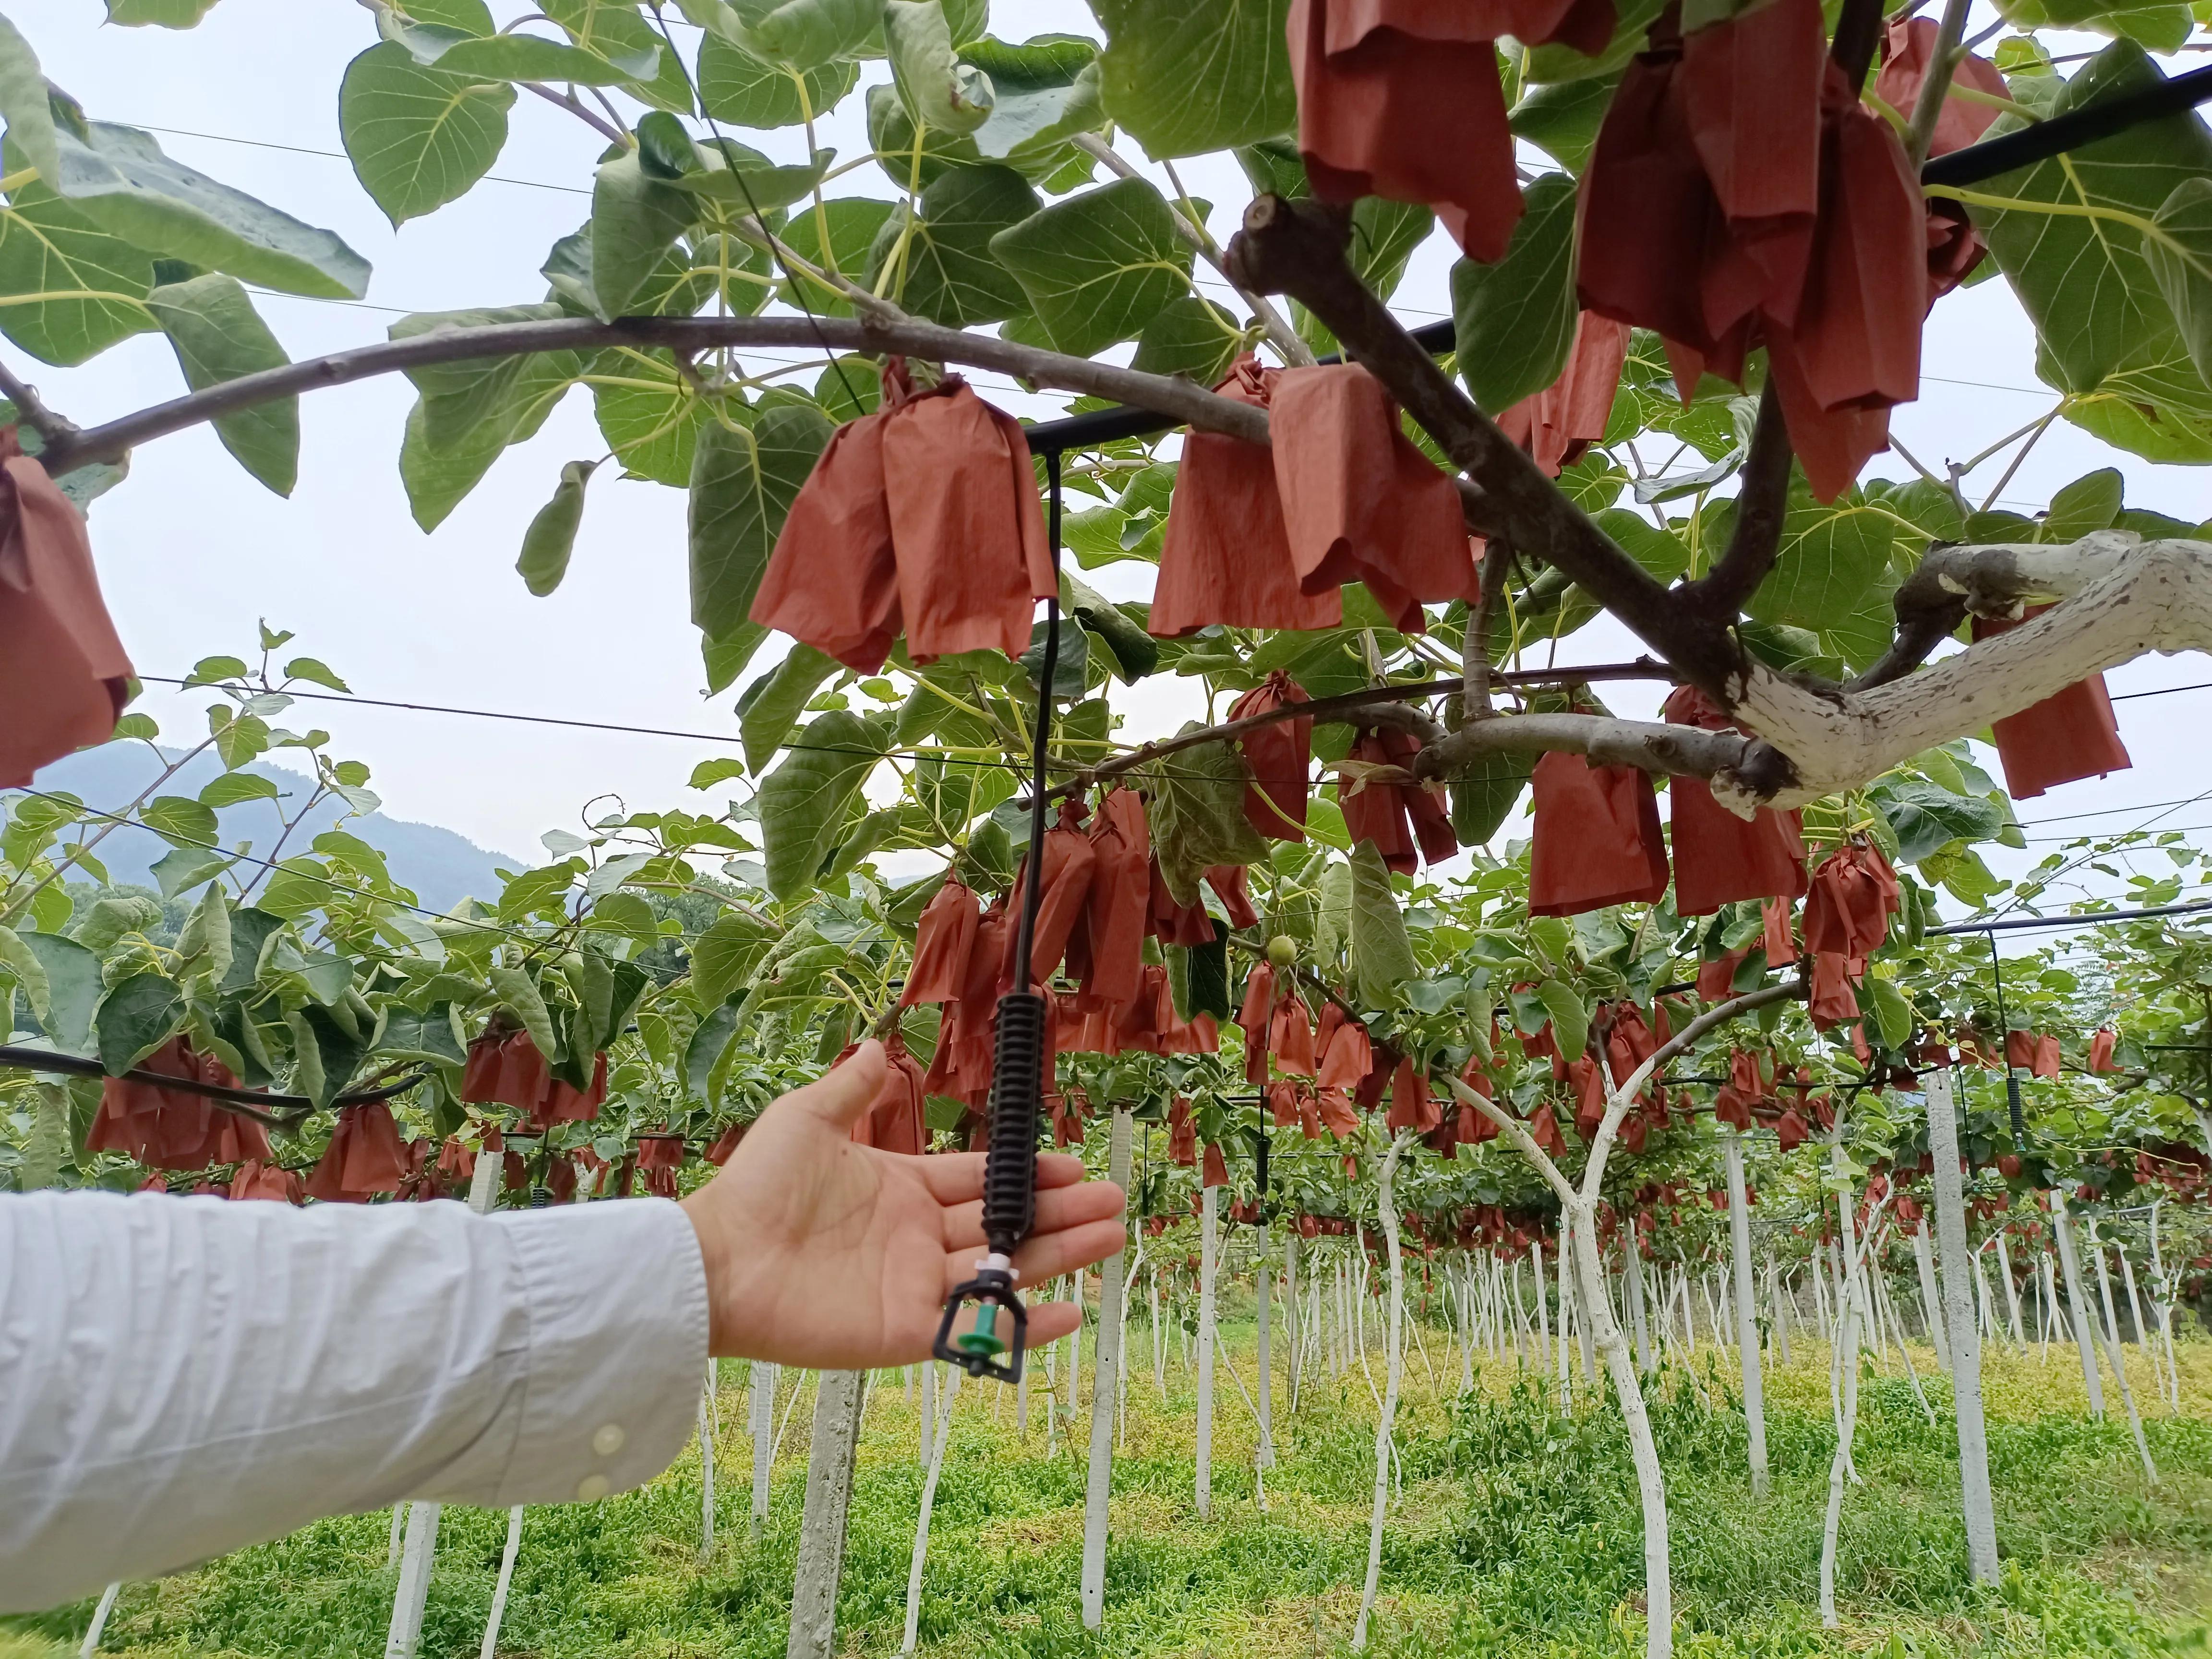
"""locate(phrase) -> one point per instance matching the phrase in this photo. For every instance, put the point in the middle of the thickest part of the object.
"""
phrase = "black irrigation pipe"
(246, 1103)
(2089, 918)
(2037, 142)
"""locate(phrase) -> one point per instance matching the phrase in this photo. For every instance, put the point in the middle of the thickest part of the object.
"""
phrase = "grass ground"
(1517, 1532)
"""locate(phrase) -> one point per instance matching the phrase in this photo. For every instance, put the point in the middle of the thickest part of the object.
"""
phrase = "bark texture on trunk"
(822, 1527)
(1965, 1331)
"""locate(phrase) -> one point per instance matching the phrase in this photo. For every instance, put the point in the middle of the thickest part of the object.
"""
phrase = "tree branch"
(613, 135)
(1474, 646)
(1745, 771)
(1298, 248)
(1178, 399)
(31, 410)
(1942, 64)
(1513, 1128)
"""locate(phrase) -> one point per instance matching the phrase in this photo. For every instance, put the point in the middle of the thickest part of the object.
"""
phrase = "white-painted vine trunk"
(2012, 1293)
(1106, 1390)
(1543, 1308)
(822, 1525)
(2062, 1224)
(707, 1465)
(1963, 1331)
(90, 1645)
(1932, 1299)
(1387, 1203)
(1562, 1350)
(489, 1647)
(1746, 1310)
(1209, 1249)
(1293, 1325)
(762, 1418)
(1264, 1288)
(938, 1435)
(1852, 1302)
(2117, 1355)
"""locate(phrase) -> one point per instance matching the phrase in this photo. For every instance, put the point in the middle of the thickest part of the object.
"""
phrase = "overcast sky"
(193, 551)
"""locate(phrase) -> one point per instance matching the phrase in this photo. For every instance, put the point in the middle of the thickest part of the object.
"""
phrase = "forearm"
(179, 1377)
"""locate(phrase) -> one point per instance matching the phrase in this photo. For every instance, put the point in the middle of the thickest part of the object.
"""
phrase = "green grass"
(1516, 1533)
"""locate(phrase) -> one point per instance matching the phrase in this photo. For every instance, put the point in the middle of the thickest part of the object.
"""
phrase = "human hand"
(834, 1256)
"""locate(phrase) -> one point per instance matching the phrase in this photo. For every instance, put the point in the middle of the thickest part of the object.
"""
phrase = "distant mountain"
(441, 867)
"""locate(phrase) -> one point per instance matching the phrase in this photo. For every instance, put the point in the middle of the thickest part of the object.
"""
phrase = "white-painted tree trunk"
(2012, 1293)
(1293, 1326)
(90, 1645)
(1264, 1284)
(1778, 1301)
(506, 1559)
(398, 1533)
(821, 1525)
(1746, 1310)
(2162, 1293)
(1853, 1305)
(938, 1436)
(2062, 1224)
(707, 1465)
(1106, 1389)
(1963, 1331)
(2117, 1355)
(1562, 1350)
(1383, 1451)
(1932, 1299)
(1209, 1249)
(762, 1419)
(1543, 1313)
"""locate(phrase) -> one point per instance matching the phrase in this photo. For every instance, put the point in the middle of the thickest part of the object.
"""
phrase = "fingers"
(1050, 1320)
(1056, 1207)
(848, 1090)
(1046, 1253)
(957, 1177)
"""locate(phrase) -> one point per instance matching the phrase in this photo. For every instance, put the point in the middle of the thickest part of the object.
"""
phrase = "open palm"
(827, 1255)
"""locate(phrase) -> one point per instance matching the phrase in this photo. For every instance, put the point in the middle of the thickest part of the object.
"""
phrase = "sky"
(193, 551)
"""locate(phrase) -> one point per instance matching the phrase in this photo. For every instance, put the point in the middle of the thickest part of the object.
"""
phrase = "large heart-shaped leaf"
(1515, 320)
(804, 802)
(746, 91)
(2084, 280)
(1097, 267)
(725, 955)
(1185, 79)
(943, 265)
(773, 703)
(23, 102)
(517, 56)
(803, 34)
(1191, 336)
(1832, 575)
(1926, 817)
(418, 138)
(135, 1018)
(71, 992)
(616, 30)
(218, 336)
(73, 287)
(119, 178)
(745, 477)
(936, 86)
(1197, 815)
(1047, 89)
(2180, 256)
(1382, 953)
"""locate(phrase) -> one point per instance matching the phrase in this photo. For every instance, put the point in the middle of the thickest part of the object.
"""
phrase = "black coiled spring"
(1017, 1079)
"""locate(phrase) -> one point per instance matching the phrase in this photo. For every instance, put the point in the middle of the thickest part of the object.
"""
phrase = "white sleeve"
(182, 1376)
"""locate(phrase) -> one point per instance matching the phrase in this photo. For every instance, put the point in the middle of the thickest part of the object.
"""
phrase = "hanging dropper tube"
(1017, 1075)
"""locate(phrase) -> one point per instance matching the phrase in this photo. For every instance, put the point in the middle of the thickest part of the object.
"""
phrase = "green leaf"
(2161, 25)
(937, 88)
(418, 138)
(746, 91)
(1892, 1014)
(1097, 267)
(854, 224)
(635, 219)
(519, 994)
(2091, 502)
(1186, 79)
(431, 1033)
(2086, 282)
(440, 468)
(183, 868)
(945, 268)
(233, 787)
(1382, 954)
(324, 1053)
(551, 537)
(710, 1046)
(743, 179)
(616, 32)
(1197, 814)
(1514, 322)
(1926, 817)
(165, 14)
(218, 336)
(1832, 575)
(73, 287)
(72, 989)
(47, 1148)
(251, 931)
(1192, 337)
(803, 34)
(316, 673)
(725, 956)
(1562, 118)
(1135, 653)
(772, 704)
(744, 480)
(15, 956)
(178, 820)
(803, 803)
(119, 178)
(708, 773)
(135, 1018)
(1048, 89)
(1570, 1016)
(517, 56)
(2181, 261)
(1484, 797)
(23, 102)
(1563, 62)
(204, 942)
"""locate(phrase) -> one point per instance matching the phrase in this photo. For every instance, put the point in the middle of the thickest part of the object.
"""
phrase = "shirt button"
(591, 1489)
(609, 1439)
